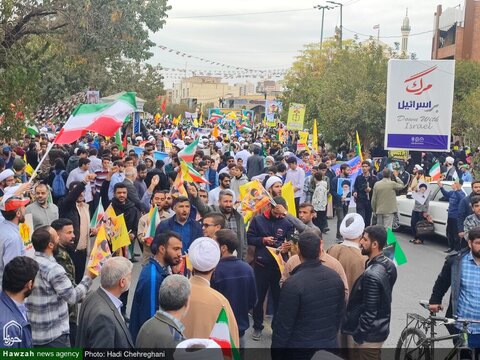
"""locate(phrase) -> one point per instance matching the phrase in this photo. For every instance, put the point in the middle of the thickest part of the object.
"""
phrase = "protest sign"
(419, 105)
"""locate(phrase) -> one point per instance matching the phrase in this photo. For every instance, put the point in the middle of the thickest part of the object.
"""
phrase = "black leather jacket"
(369, 307)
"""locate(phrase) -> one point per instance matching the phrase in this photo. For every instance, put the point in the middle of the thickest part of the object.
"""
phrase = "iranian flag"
(188, 153)
(97, 216)
(221, 335)
(190, 174)
(154, 221)
(104, 119)
(435, 171)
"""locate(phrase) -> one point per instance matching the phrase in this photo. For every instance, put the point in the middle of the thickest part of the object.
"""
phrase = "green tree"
(52, 49)
(465, 119)
(344, 89)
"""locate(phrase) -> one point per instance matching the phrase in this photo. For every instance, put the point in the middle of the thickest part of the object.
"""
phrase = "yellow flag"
(167, 145)
(315, 136)
(288, 195)
(359, 147)
(195, 122)
(277, 256)
(302, 141)
(120, 237)
(100, 252)
(215, 132)
(29, 169)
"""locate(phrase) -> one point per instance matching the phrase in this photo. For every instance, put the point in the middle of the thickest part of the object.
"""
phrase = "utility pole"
(341, 19)
(323, 8)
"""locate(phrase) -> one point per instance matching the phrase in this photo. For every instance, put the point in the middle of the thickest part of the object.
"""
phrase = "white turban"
(199, 349)
(5, 174)
(204, 254)
(450, 160)
(272, 180)
(355, 226)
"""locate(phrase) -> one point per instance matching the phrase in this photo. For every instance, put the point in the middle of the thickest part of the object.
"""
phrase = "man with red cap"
(11, 244)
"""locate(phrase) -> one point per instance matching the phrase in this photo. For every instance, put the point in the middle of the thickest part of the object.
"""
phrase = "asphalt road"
(415, 281)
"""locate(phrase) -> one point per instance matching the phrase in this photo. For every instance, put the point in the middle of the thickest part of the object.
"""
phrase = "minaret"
(405, 32)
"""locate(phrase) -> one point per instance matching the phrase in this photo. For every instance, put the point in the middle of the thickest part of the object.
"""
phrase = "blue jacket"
(234, 279)
(18, 331)
(190, 231)
(264, 225)
(454, 198)
(212, 176)
(145, 301)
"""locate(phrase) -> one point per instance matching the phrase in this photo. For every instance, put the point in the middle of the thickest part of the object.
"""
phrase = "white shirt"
(297, 177)
(214, 195)
(244, 155)
(95, 164)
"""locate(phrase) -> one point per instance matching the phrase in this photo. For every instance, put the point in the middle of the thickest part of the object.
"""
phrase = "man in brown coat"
(350, 256)
(205, 302)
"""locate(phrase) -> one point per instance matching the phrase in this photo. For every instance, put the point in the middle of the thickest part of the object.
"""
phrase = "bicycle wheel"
(411, 345)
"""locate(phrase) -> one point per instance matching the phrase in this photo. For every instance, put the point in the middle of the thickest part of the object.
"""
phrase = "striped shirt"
(469, 296)
(101, 176)
(47, 306)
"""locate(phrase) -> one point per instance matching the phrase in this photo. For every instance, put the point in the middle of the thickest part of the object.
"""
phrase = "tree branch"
(15, 33)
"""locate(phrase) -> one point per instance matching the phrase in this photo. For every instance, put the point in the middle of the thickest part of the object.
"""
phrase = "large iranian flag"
(104, 119)
(221, 335)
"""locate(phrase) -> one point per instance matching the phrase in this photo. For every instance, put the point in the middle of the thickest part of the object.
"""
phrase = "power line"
(240, 14)
(396, 36)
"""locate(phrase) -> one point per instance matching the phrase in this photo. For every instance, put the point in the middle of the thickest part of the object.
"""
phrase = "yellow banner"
(100, 252)
(296, 116)
(253, 198)
(289, 195)
(398, 154)
(277, 256)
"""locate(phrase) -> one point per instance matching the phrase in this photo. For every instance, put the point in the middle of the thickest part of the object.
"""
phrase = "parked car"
(438, 207)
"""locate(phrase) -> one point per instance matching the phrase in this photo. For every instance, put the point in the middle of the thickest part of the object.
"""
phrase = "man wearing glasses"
(213, 222)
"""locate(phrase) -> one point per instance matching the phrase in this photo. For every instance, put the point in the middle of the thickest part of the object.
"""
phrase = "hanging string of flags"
(233, 71)
(180, 74)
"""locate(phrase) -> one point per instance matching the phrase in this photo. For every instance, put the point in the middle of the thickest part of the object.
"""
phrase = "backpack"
(58, 185)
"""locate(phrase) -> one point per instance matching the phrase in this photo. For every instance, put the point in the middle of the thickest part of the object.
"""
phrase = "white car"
(438, 207)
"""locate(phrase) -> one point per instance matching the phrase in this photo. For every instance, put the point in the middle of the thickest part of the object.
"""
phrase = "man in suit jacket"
(384, 199)
(130, 176)
(101, 324)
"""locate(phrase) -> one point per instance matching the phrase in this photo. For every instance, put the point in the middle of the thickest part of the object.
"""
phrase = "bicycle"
(414, 344)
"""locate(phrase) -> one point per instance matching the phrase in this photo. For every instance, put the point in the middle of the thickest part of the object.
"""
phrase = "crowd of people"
(336, 299)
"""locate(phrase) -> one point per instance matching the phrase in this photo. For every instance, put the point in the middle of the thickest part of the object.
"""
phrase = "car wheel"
(396, 223)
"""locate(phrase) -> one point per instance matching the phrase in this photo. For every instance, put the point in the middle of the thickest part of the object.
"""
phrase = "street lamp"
(341, 24)
(323, 8)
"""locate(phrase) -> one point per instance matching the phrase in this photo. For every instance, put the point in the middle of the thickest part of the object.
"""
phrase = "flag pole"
(34, 174)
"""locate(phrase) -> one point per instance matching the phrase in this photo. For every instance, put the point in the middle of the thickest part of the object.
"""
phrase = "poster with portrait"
(421, 193)
(93, 97)
(273, 109)
(100, 252)
(344, 188)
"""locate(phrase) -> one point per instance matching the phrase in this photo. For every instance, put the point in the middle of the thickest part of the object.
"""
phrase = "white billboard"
(419, 104)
